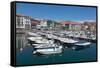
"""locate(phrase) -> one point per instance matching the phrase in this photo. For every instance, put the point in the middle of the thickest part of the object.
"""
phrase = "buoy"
(21, 49)
(34, 52)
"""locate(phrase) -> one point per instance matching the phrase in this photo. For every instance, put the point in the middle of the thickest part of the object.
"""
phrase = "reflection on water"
(20, 41)
(69, 54)
(76, 48)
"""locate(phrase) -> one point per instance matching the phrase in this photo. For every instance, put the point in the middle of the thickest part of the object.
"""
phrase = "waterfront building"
(70, 25)
(90, 26)
(58, 26)
(43, 23)
(35, 23)
(46, 24)
(23, 23)
(51, 24)
(90, 29)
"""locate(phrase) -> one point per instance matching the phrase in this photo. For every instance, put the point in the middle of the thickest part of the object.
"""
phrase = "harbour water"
(25, 57)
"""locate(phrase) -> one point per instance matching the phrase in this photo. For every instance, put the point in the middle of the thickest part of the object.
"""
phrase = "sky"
(56, 12)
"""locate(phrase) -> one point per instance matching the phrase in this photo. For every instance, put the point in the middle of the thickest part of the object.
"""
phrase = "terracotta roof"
(71, 22)
(19, 15)
(35, 22)
(22, 15)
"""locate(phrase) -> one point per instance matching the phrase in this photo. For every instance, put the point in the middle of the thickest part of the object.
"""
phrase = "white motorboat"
(66, 40)
(80, 46)
(44, 44)
(38, 40)
(48, 50)
(41, 41)
(34, 38)
(83, 44)
(51, 36)
(33, 34)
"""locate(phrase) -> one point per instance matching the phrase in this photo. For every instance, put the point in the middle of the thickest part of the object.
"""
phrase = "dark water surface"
(26, 57)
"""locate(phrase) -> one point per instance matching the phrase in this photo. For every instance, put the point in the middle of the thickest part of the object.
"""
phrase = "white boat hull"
(83, 44)
(48, 50)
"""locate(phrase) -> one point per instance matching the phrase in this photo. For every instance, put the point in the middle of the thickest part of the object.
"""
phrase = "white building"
(46, 24)
(43, 23)
(23, 22)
